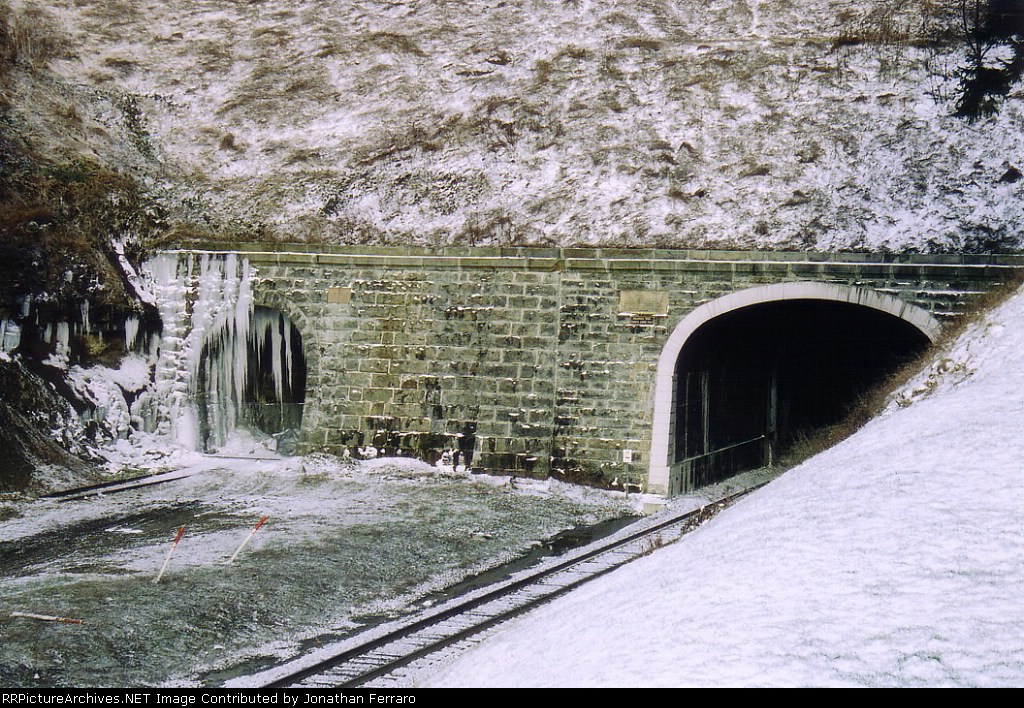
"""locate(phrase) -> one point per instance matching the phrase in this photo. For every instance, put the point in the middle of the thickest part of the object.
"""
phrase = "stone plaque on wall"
(643, 302)
(339, 295)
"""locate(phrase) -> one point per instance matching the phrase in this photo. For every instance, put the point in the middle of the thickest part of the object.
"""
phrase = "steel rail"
(505, 590)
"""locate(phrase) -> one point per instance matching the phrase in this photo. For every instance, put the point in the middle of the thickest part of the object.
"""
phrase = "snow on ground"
(336, 553)
(894, 559)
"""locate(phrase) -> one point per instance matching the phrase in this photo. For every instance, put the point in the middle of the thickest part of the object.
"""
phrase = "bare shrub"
(652, 544)
(542, 71)
(573, 51)
(93, 345)
(489, 228)
(610, 68)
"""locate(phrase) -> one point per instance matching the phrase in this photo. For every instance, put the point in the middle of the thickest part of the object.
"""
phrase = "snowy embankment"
(894, 559)
(822, 124)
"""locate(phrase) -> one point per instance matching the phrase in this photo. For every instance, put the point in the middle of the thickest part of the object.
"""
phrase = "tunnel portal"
(752, 381)
(253, 377)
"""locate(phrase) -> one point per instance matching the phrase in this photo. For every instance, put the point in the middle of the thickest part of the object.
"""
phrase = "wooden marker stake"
(248, 538)
(181, 532)
(47, 618)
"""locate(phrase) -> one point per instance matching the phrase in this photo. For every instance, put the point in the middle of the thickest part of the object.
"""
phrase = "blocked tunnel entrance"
(252, 377)
(752, 382)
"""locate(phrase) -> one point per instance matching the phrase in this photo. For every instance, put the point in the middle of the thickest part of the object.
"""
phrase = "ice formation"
(10, 329)
(131, 332)
(230, 366)
(214, 341)
(62, 348)
(10, 335)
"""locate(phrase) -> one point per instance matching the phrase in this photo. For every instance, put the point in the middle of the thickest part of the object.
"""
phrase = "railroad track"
(147, 480)
(414, 640)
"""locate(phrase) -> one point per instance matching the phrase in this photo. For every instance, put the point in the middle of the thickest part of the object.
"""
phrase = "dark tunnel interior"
(751, 382)
(270, 363)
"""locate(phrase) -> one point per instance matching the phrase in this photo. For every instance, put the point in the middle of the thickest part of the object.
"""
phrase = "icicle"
(240, 345)
(131, 332)
(193, 295)
(288, 355)
(61, 356)
(275, 356)
(63, 337)
(10, 335)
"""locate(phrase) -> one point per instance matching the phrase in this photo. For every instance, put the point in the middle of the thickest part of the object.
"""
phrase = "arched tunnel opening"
(252, 377)
(752, 382)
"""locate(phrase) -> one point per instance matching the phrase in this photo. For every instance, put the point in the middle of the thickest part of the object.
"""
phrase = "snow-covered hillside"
(751, 123)
(893, 559)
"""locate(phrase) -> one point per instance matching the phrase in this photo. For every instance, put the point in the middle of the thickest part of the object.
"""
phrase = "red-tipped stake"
(181, 532)
(248, 538)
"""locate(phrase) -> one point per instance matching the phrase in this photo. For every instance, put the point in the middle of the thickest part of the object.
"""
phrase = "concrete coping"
(589, 258)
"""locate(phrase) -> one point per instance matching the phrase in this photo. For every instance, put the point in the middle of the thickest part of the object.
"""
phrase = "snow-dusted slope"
(663, 122)
(893, 559)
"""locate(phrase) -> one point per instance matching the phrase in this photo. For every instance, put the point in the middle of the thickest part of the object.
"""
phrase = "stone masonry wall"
(417, 358)
(534, 361)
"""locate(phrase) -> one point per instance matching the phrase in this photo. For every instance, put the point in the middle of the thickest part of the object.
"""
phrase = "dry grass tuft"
(643, 43)
(395, 42)
(898, 23)
(228, 141)
(272, 34)
(120, 64)
(29, 37)
(652, 544)
(214, 57)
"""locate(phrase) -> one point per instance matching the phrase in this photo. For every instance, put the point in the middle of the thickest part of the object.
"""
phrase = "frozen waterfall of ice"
(206, 304)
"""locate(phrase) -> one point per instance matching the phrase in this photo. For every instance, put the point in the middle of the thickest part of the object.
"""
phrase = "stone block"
(378, 395)
(374, 365)
(519, 356)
